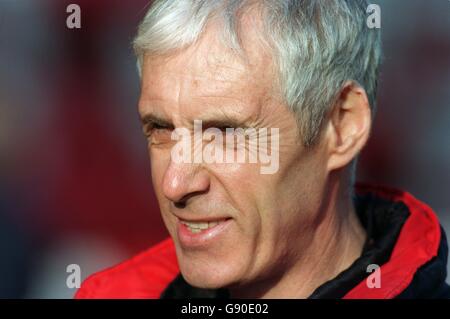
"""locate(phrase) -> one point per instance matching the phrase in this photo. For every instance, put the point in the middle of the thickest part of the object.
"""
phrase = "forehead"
(208, 73)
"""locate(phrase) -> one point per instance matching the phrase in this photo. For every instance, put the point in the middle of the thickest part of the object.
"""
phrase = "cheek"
(249, 192)
(159, 162)
(240, 182)
(295, 197)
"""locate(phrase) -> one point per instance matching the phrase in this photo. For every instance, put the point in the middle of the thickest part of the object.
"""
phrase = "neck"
(333, 244)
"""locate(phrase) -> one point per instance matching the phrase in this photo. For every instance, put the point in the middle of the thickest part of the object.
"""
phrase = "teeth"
(212, 224)
(198, 227)
(202, 225)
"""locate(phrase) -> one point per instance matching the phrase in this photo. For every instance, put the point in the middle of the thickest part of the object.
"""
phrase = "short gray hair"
(318, 46)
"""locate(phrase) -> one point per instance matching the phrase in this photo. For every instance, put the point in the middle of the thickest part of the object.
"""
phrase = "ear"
(348, 127)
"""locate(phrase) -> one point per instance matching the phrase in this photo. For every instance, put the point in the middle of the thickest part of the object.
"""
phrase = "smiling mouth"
(198, 227)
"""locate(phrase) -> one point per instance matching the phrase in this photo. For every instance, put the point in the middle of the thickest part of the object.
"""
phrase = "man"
(309, 70)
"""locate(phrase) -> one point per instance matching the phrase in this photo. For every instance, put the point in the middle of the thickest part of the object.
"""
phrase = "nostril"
(180, 204)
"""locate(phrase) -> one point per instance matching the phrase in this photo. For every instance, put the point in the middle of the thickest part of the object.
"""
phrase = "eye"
(151, 128)
(159, 127)
(157, 134)
(226, 129)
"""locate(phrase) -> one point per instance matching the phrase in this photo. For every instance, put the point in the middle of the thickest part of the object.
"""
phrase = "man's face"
(257, 223)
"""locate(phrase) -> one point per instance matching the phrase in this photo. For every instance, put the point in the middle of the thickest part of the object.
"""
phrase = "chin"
(202, 273)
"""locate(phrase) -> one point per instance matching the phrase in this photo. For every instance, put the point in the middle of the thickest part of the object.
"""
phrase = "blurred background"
(75, 181)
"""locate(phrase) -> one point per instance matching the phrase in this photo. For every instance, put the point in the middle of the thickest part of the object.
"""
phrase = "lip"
(204, 238)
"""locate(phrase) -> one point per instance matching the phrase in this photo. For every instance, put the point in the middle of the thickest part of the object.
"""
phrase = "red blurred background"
(75, 181)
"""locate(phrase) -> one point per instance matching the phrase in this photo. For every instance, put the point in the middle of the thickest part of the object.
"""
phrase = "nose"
(183, 181)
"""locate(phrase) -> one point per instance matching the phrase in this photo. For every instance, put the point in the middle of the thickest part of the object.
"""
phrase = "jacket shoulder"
(145, 275)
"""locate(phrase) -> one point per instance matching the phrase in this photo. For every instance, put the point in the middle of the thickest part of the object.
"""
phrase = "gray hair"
(318, 46)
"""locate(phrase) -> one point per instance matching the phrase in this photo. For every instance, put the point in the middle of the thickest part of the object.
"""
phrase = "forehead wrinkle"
(199, 97)
(209, 83)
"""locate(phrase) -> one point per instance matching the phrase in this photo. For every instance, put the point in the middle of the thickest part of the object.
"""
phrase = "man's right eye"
(150, 128)
(157, 133)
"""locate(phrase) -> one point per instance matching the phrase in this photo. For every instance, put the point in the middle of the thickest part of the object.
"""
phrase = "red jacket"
(414, 267)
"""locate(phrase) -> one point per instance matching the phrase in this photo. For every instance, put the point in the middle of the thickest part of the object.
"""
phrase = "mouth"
(201, 233)
(198, 227)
